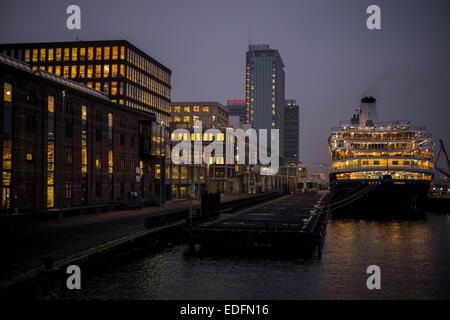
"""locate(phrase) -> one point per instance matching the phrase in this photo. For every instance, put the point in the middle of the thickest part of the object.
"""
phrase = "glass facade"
(265, 90)
(117, 68)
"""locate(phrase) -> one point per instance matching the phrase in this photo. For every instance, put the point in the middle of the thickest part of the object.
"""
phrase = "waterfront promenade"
(23, 246)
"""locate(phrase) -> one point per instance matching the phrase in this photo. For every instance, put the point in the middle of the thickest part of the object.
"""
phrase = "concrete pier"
(293, 224)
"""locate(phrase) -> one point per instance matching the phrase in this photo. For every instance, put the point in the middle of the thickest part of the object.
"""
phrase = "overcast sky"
(331, 58)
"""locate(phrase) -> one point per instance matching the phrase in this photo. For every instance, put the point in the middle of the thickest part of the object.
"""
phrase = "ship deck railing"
(380, 126)
(379, 168)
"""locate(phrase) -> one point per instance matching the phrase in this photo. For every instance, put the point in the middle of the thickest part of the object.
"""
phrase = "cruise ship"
(381, 166)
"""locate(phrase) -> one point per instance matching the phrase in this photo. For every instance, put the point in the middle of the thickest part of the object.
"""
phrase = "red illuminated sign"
(236, 101)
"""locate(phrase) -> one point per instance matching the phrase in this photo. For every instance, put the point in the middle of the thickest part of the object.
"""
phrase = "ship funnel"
(368, 111)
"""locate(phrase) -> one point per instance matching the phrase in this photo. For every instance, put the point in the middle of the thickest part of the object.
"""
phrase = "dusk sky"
(331, 58)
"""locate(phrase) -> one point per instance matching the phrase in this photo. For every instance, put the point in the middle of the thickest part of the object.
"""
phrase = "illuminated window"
(84, 140)
(176, 109)
(68, 190)
(58, 54)
(90, 71)
(205, 109)
(113, 88)
(73, 71)
(50, 54)
(176, 119)
(42, 54)
(50, 151)
(35, 55)
(106, 87)
(105, 70)
(7, 94)
(98, 71)
(82, 54)
(106, 51)
(122, 70)
(115, 53)
(110, 162)
(114, 70)
(187, 109)
(98, 162)
(213, 118)
(50, 69)
(98, 86)
(186, 119)
(82, 71)
(66, 54)
(122, 52)
(98, 53)
(195, 118)
(58, 70)
(74, 54)
(196, 108)
(66, 72)
(90, 53)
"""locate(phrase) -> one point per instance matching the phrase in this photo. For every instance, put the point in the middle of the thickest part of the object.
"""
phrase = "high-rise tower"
(265, 90)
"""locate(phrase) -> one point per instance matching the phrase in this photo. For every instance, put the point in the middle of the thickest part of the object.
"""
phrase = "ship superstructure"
(393, 153)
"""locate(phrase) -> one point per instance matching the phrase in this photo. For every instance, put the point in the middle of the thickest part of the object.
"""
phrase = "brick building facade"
(55, 130)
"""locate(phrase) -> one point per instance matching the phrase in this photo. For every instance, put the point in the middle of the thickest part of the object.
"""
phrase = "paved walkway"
(23, 246)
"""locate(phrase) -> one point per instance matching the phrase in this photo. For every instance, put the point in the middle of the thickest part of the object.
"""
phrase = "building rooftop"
(82, 42)
(69, 83)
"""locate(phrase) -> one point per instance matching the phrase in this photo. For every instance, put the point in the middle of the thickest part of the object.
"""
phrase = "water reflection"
(413, 255)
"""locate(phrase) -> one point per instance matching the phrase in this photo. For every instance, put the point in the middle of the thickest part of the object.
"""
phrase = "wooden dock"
(290, 224)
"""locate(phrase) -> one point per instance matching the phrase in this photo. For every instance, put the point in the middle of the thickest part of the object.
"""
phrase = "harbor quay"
(33, 241)
(291, 224)
(264, 221)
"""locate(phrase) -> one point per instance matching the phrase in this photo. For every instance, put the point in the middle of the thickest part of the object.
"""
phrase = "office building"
(212, 114)
(291, 132)
(236, 108)
(66, 145)
(265, 90)
(125, 73)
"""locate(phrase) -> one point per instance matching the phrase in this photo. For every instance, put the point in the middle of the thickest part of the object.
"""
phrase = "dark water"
(414, 257)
